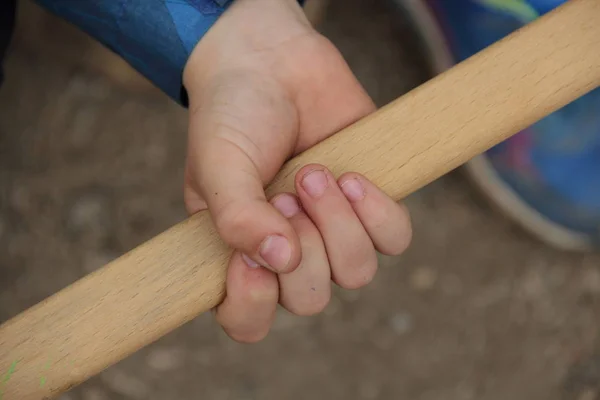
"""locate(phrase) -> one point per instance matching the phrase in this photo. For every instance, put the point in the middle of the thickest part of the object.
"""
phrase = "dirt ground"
(474, 310)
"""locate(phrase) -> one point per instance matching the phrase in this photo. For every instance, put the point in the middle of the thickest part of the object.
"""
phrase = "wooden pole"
(169, 280)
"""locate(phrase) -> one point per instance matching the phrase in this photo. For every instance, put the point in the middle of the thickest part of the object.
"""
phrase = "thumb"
(223, 173)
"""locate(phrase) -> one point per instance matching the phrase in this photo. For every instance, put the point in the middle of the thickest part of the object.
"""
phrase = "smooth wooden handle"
(109, 314)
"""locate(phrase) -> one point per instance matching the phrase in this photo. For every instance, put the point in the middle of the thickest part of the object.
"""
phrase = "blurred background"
(91, 163)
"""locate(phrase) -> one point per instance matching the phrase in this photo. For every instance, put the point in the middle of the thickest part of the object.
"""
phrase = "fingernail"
(353, 190)
(276, 251)
(250, 262)
(315, 183)
(286, 205)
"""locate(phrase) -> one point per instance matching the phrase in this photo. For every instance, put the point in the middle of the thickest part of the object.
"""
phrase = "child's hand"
(263, 86)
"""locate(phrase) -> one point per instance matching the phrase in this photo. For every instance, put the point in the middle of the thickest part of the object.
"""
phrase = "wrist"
(251, 34)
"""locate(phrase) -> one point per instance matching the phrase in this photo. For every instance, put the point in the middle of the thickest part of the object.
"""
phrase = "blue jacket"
(155, 36)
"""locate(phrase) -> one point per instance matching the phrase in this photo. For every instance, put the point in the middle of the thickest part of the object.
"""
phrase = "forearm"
(155, 36)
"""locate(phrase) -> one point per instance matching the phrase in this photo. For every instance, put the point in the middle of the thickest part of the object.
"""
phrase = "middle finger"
(350, 250)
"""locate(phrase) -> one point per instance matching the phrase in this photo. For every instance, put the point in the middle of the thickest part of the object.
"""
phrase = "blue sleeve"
(155, 36)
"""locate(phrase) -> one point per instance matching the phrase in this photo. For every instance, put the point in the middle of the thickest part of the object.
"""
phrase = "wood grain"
(152, 290)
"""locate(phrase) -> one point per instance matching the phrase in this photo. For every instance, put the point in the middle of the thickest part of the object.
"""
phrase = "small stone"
(423, 278)
(401, 323)
(165, 359)
(94, 394)
(125, 384)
